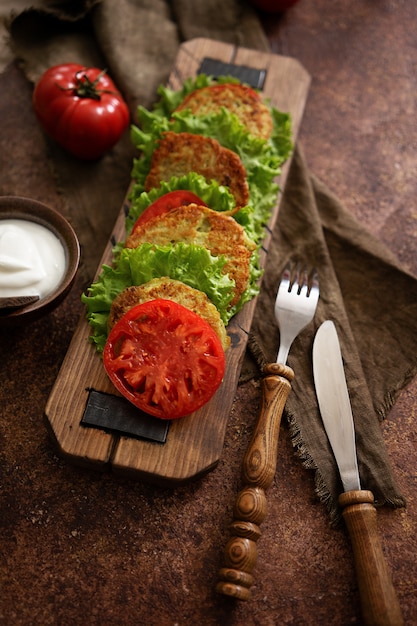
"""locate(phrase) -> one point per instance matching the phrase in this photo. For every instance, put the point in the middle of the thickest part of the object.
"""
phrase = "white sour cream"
(32, 259)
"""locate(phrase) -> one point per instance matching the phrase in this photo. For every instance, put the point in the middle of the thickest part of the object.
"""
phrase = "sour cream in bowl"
(39, 256)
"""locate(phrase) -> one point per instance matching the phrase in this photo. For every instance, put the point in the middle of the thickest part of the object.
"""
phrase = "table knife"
(377, 594)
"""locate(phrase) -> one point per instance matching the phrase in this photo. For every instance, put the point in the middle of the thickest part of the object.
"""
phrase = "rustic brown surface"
(82, 547)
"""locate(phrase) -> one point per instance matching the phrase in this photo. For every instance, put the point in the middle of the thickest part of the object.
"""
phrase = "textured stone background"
(81, 547)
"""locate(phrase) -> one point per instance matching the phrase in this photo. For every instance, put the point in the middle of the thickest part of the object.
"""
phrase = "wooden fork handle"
(378, 597)
(258, 470)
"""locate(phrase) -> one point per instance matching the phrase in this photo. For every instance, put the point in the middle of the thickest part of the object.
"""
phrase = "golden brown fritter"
(219, 233)
(241, 100)
(170, 289)
(178, 154)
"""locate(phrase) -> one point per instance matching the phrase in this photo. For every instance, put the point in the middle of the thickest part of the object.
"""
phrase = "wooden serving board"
(194, 443)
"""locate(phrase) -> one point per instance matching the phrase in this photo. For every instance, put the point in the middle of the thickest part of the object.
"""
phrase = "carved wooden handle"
(378, 597)
(258, 470)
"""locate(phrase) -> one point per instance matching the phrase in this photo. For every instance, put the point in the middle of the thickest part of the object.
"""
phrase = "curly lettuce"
(170, 99)
(261, 158)
(193, 265)
(216, 196)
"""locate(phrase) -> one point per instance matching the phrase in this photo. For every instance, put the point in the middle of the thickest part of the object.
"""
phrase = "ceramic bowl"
(14, 207)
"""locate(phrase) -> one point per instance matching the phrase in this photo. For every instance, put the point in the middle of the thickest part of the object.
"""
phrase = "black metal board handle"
(117, 415)
(249, 75)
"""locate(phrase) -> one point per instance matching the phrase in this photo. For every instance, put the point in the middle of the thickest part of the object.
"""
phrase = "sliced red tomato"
(164, 358)
(167, 202)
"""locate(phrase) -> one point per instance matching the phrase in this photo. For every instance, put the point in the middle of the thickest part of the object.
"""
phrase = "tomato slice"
(167, 202)
(164, 358)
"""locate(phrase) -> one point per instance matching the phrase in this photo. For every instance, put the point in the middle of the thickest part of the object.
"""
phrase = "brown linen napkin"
(378, 332)
(137, 41)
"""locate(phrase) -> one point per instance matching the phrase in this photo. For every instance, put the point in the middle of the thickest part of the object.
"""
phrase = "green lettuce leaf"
(170, 99)
(216, 196)
(252, 289)
(191, 264)
(261, 158)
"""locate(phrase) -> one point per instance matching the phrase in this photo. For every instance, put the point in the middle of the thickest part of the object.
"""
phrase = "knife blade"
(378, 597)
(334, 403)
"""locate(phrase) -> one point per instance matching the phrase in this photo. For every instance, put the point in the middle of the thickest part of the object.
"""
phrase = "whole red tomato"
(81, 109)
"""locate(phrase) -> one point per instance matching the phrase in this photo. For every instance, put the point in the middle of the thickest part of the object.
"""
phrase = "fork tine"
(314, 285)
(300, 274)
(295, 304)
(297, 273)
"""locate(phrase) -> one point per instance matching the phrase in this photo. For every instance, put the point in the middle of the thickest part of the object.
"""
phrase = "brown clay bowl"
(15, 207)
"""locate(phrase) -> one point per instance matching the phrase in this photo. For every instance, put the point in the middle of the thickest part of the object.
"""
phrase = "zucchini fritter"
(180, 153)
(170, 289)
(219, 233)
(241, 100)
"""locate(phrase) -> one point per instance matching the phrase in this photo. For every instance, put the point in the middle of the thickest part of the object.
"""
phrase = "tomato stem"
(85, 88)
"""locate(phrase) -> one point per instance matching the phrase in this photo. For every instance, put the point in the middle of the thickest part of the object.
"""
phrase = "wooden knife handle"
(258, 470)
(378, 597)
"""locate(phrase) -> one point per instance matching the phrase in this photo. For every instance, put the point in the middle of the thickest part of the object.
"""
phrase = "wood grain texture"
(258, 471)
(194, 443)
(378, 597)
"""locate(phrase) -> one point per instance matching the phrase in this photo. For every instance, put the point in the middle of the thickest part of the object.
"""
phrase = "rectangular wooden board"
(194, 443)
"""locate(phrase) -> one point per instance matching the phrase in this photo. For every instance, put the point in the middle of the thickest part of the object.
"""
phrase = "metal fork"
(295, 306)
